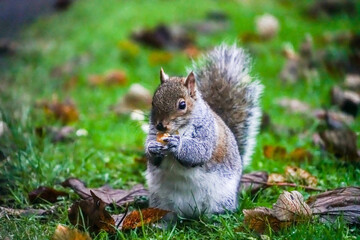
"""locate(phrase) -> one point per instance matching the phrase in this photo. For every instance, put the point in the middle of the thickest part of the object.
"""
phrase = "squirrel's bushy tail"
(224, 82)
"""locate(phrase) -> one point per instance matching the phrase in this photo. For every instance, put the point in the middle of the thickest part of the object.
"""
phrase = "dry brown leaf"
(299, 154)
(114, 77)
(254, 181)
(352, 82)
(295, 174)
(261, 218)
(56, 134)
(65, 111)
(276, 178)
(105, 193)
(136, 218)
(65, 233)
(332, 204)
(158, 58)
(128, 48)
(334, 120)
(274, 152)
(192, 51)
(249, 37)
(137, 97)
(91, 214)
(164, 37)
(348, 101)
(45, 194)
(290, 206)
(342, 143)
(294, 105)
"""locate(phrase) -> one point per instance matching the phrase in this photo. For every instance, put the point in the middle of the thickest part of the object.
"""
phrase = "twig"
(282, 184)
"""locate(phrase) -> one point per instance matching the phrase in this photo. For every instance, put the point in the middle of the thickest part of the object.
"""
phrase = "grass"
(90, 30)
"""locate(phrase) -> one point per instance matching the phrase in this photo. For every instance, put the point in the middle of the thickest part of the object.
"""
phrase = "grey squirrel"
(211, 119)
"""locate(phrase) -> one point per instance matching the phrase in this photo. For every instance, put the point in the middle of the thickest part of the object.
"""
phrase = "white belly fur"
(190, 191)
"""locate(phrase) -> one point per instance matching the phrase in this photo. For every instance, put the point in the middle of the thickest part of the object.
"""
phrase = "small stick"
(283, 184)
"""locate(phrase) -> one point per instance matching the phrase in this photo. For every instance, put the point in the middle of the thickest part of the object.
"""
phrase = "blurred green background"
(66, 55)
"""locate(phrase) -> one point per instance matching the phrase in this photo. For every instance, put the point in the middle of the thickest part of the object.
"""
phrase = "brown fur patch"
(165, 103)
(219, 154)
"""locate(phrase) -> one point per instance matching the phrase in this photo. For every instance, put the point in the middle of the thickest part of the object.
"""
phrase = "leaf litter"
(290, 208)
(46, 194)
(107, 194)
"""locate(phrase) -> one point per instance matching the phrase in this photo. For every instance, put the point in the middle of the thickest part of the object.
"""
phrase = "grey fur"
(224, 82)
(204, 159)
(193, 150)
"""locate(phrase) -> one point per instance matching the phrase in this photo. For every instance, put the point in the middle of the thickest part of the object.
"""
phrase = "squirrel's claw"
(172, 141)
(156, 148)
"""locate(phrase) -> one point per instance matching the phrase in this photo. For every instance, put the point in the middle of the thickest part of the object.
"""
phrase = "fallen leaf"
(280, 153)
(342, 143)
(164, 37)
(65, 233)
(290, 206)
(192, 52)
(348, 101)
(253, 181)
(114, 77)
(299, 154)
(159, 58)
(56, 134)
(105, 193)
(334, 120)
(91, 214)
(65, 111)
(137, 97)
(137, 219)
(249, 37)
(45, 194)
(294, 105)
(289, 209)
(276, 178)
(274, 152)
(295, 174)
(261, 218)
(128, 48)
(340, 202)
(352, 82)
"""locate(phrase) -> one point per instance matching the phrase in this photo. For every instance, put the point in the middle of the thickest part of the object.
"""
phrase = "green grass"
(91, 30)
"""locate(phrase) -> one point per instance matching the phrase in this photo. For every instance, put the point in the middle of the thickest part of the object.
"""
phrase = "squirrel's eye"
(182, 105)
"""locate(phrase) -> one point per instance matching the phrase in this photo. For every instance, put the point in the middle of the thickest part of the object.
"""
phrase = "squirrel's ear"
(163, 76)
(190, 84)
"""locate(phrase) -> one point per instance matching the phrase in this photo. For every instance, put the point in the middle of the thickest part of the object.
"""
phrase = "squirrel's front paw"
(173, 142)
(156, 148)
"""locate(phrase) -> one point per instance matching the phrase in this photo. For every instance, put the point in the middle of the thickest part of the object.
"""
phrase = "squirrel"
(211, 118)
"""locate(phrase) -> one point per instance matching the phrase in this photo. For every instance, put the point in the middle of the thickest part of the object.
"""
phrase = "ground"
(87, 36)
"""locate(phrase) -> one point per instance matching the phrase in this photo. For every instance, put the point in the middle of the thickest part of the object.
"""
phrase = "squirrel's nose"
(160, 127)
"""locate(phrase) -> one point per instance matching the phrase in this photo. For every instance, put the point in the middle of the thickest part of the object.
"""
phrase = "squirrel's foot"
(155, 148)
(173, 143)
